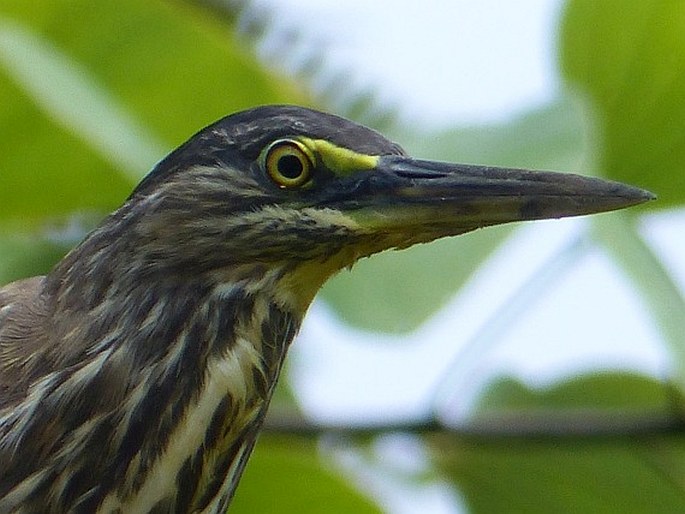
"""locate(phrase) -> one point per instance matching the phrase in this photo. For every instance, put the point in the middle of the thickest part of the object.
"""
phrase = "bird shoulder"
(22, 312)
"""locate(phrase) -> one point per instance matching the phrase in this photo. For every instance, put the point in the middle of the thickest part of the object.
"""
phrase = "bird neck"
(179, 371)
(224, 389)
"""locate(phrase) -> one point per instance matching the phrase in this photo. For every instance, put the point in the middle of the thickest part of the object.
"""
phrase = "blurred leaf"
(608, 390)
(62, 89)
(611, 474)
(605, 476)
(628, 57)
(45, 171)
(79, 72)
(596, 404)
(286, 475)
(23, 256)
(552, 137)
(658, 290)
(397, 291)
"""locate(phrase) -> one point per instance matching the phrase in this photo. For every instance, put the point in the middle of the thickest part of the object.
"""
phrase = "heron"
(136, 374)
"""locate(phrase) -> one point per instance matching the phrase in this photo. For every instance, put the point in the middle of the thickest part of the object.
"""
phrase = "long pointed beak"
(439, 199)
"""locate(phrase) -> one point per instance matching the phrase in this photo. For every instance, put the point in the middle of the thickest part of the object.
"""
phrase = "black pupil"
(290, 166)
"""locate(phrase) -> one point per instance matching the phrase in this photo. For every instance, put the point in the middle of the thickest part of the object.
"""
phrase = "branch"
(571, 423)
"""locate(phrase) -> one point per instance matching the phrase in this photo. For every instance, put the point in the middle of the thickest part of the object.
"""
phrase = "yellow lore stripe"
(341, 161)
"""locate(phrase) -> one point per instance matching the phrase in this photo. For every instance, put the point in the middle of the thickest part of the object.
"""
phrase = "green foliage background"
(93, 93)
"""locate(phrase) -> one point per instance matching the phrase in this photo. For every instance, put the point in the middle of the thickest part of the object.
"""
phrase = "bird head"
(310, 193)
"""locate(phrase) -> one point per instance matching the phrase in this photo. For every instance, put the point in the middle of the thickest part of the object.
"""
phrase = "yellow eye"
(288, 163)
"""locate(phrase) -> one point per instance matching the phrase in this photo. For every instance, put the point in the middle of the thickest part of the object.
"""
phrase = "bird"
(135, 375)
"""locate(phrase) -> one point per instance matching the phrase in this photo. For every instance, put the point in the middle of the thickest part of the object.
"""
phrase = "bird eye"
(288, 163)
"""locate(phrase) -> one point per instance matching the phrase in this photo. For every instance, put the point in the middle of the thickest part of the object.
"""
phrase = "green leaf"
(552, 137)
(57, 84)
(567, 475)
(94, 92)
(628, 58)
(606, 476)
(286, 475)
(658, 291)
(46, 171)
(609, 390)
(397, 291)
(24, 256)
